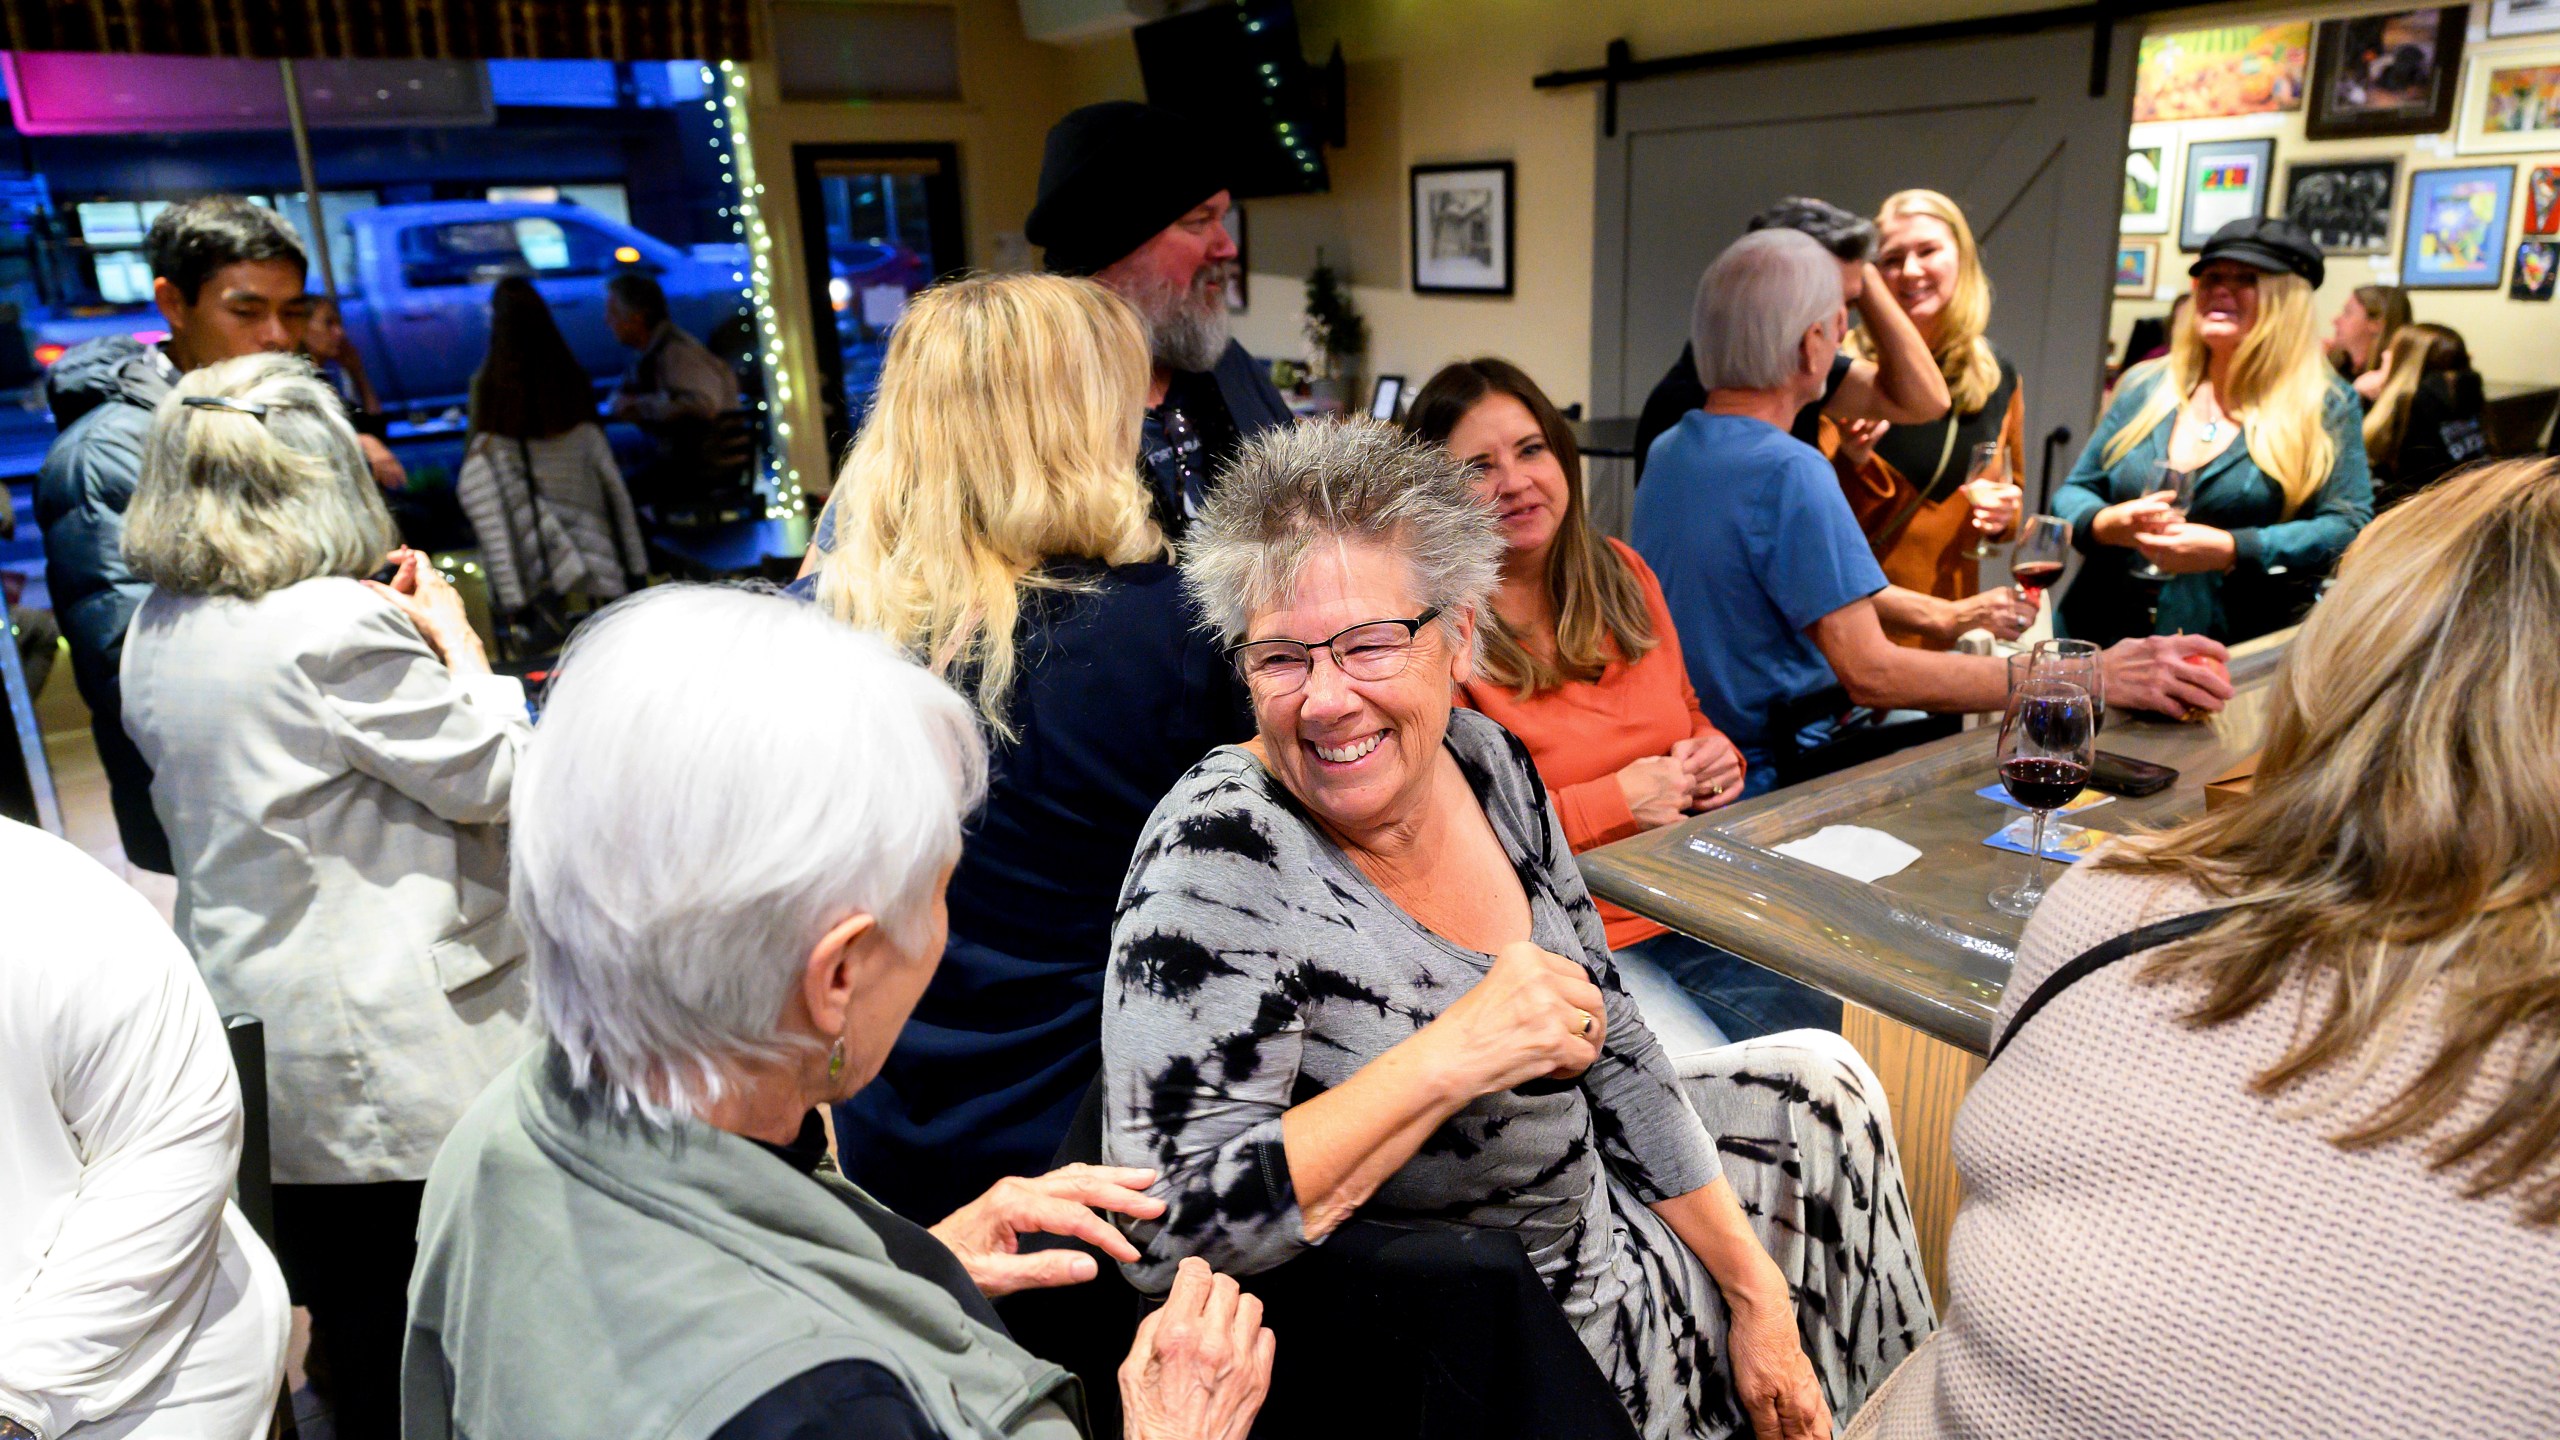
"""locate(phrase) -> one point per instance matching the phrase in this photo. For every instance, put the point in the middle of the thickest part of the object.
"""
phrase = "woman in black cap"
(2244, 403)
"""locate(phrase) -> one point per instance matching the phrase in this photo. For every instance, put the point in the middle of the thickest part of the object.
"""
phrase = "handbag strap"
(1891, 534)
(2098, 957)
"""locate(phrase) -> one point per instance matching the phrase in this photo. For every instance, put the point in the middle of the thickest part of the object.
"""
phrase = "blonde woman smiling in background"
(2244, 402)
(1907, 482)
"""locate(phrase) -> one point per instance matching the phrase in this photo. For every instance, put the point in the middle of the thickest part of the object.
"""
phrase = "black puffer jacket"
(103, 394)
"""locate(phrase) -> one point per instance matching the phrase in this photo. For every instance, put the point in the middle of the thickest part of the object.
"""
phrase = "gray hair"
(1754, 305)
(674, 863)
(1297, 487)
(264, 490)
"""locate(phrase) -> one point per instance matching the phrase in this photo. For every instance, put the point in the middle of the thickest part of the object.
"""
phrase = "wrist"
(1443, 1079)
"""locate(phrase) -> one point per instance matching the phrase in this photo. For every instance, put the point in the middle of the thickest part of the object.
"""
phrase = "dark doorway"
(877, 224)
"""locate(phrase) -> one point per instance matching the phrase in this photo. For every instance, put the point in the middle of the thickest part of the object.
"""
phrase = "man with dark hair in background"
(1902, 385)
(1131, 197)
(675, 391)
(227, 277)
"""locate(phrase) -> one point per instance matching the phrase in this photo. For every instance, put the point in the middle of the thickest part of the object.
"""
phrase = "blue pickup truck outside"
(417, 306)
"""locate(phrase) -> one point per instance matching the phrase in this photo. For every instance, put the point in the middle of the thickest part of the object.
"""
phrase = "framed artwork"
(2227, 70)
(2523, 17)
(1237, 268)
(2542, 200)
(2345, 204)
(2226, 181)
(2510, 101)
(2536, 260)
(1462, 229)
(2456, 231)
(2146, 190)
(2137, 269)
(2395, 73)
(1386, 397)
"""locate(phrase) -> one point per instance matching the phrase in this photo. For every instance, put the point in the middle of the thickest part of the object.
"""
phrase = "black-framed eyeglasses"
(1370, 650)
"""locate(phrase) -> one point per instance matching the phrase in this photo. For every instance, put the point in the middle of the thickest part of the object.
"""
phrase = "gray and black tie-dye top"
(1254, 967)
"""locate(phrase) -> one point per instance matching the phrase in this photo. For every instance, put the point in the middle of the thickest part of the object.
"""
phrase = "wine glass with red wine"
(2076, 662)
(2043, 546)
(2048, 742)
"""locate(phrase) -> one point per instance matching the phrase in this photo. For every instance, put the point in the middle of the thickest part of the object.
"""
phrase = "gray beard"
(1186, 329)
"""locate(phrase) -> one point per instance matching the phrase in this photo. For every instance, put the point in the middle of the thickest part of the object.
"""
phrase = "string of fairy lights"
(726, 99)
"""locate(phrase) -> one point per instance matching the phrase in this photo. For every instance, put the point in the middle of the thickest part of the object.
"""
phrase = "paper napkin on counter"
(1852, 850)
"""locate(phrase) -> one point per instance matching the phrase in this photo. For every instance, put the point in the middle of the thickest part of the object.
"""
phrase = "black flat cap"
(2273, 244)
(1111, 176)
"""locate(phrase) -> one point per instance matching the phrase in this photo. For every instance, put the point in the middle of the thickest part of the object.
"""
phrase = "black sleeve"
(840, 1400)
(1677, 395)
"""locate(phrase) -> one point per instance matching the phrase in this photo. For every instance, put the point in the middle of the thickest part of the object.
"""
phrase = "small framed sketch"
(2523, 17)
(2345, 204)
(2542, 200)
(2227, 180)
(2146, 190)
(2456, 234)
(2389, 74)
(2510, 101)
(1462, 229)
(1237, 268)
(2137, 268)
(2535, 262)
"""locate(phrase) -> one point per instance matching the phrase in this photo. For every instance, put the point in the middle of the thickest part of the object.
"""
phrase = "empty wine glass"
(2180, 486)
(1985, 465)
(2047, 746)
(2044, 546)
(2076, 662)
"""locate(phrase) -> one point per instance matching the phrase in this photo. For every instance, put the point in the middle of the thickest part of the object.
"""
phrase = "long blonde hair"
(2402, 836)
(1963, 355)
(2278, 389)
(1005, 432)
(2419, 350)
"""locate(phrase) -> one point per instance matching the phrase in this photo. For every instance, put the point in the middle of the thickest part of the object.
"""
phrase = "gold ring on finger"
(1586, 1022)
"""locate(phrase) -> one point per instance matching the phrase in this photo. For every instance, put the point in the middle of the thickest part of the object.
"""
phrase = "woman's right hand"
(435, 607)
(1202, 1362)
(1657, 788)
(1534, 1016)
(1858, 442)
(2118, 524)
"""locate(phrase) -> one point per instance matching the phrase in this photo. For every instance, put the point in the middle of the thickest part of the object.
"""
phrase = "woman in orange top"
(1582, 663)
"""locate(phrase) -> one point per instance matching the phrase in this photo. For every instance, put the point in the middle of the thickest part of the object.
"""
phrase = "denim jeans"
(1739, 999)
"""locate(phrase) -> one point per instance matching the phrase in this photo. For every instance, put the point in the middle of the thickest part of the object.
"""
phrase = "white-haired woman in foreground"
(635, 1231)
(331, 759)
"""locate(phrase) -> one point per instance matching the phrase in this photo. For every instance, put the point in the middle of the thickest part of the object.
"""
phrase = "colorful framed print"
(2345, 204)
(2137, 269)
(2536, 260)
(2510, 101)
(2227, 70)
(2397, 73)
(2146, 190)
(2226, 180)
(2523, 17)
(2456, 232)
(1461, 221)
(2542, 200)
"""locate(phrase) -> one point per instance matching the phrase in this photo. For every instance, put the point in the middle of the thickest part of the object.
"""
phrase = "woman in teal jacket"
(2273, 437)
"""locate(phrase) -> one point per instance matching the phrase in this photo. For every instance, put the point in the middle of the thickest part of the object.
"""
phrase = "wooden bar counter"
(1920, 957)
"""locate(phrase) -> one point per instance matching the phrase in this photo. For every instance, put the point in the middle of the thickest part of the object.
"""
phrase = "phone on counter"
(2123, 775)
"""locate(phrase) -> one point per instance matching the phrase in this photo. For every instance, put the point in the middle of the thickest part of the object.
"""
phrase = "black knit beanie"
(1113, 175)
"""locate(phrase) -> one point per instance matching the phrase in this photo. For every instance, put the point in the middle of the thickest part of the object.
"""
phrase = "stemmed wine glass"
(2075, 662)
(2181, 488)
(1985, 465)
(2043, 548)
(2048, 743)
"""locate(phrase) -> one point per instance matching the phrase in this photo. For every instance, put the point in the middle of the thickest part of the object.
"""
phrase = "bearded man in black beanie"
(1131, 197)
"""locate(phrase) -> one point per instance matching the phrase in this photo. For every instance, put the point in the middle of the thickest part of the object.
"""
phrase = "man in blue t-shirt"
(1771, 583)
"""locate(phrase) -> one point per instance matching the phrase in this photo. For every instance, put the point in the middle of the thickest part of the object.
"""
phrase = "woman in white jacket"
(332, 760)
(135, 1302)
(538, 480)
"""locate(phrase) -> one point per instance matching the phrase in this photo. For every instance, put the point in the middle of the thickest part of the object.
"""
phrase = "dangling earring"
(835, 1059)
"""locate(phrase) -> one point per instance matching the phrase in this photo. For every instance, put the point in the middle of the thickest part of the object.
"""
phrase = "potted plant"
(1337, 336)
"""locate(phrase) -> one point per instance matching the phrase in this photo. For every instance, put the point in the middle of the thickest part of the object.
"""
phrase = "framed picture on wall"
(1461, 222)
(2535, 262)
(2542, 200)
(2345, 204)
(2137, 268)
(2455, 236)
(2146, 190)
(2396, 73)
(2510, 100)
(2225, 70)
(2523, 17)
(2226, 180)
(1236, 269)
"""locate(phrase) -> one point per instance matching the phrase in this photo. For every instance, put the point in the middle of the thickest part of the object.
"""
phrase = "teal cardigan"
(2279, 562)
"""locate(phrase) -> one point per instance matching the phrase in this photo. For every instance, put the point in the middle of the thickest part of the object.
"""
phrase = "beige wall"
(2509, 339)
